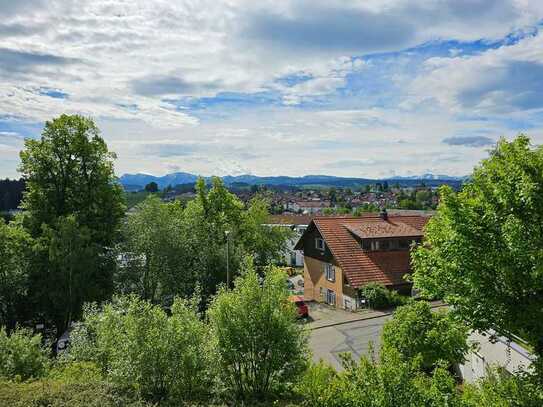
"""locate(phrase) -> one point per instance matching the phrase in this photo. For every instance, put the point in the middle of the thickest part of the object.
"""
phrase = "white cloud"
(117, 60)
(502, 80)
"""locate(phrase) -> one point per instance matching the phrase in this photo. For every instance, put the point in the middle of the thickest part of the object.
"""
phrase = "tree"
(152, 252)
(483, 248)
(151, 187)
(69, 178)
(15, 250)
(259, 345)
(417, 332)
(70, 171)
(267, 244)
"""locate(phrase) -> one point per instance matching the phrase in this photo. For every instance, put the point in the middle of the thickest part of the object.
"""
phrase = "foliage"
(265, 243)
(70, 171)
(135, 344)
(380, 297)
(71, 193)
(134, 198)
(22, 355)
(57, 393)
(416, 331)
(483, 248)
(366, 208)
(500, 390)
(391, 382)
(152, 252)
(260, 347)
(15, 246)
(151, 187)
(169, 250)
(11, 193)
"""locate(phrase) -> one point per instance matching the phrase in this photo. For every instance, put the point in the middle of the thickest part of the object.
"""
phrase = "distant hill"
(134, 181)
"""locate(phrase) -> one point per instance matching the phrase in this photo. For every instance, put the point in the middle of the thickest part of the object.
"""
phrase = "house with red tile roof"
(343, 254)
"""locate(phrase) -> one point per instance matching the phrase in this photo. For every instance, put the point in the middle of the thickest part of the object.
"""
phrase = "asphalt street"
(328, 343)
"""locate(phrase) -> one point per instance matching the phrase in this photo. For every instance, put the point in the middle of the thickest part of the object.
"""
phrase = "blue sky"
(367, 88)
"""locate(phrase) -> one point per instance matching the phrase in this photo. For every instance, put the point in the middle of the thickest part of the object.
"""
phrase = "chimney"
(383, 214)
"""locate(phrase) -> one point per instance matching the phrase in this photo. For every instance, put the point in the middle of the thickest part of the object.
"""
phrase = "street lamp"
(227, 233)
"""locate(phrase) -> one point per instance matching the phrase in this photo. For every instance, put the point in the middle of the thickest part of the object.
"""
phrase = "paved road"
(354, 337)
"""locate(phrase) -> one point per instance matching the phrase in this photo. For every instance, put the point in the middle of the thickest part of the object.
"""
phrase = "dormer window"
(319, 243)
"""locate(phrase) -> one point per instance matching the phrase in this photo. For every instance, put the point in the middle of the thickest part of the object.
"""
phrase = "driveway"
(328, 342)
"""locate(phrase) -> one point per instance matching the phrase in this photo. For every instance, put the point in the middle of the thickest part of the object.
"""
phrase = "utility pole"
(227, 233)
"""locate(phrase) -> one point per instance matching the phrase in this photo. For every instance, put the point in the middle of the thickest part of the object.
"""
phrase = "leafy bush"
(391, 382)
(379, 297)
(56, 393)
(136, 344)
(22, 355)
(417, 331)
(260, 346)
(499, 390)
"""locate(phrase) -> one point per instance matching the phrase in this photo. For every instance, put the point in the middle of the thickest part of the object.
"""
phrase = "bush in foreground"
(391, 382)
(56, 393)
(260, 347)
(22, 355)
(135, 344)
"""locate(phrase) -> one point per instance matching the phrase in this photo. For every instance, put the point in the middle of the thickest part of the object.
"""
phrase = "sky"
(367, 88)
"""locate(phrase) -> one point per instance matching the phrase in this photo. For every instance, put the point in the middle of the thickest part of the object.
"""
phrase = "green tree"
(267, 244)
(417, 332)
(260, 346)
(69, 175)
(152, 252)
(15, 250)
(75, 274)
(151, 187)
(483, 248)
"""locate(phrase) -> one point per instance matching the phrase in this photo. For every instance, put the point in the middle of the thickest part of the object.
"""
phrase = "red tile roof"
(362, 267)
(378, 228)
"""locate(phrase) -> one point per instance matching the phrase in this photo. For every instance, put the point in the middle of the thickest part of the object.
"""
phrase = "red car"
(301, 306)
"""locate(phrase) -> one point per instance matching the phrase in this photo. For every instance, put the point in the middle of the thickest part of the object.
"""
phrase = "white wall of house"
(498, 351)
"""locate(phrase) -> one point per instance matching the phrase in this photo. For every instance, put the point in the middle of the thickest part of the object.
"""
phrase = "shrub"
(56, 393)
(260, 346)
(417, 331)
(22, 355)
(379, 297)
(136, 344)
(500, 390)
(391, 382)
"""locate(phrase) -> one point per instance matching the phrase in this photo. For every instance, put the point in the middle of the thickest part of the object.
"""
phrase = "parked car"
(301, 306)
(63, 342)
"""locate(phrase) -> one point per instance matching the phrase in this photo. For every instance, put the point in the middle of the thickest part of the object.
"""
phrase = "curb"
(384, 314)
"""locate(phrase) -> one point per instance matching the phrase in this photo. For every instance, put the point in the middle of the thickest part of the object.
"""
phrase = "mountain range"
(134, 182)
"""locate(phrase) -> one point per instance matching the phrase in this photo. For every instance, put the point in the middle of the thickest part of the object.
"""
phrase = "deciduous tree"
(483, 251)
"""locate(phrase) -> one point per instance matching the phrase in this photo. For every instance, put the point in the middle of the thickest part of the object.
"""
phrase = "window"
(330, 272)
(319, 243)
(330, 297)
(384, 245)
(366, 245)
(403, 244)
